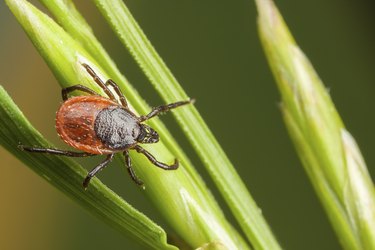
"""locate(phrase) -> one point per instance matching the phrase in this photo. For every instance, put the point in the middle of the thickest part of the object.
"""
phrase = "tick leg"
(54, 151)
(163, 108)
(128, 164)
(118, 92)
(99, 82)
(66, 91)
(154, 161)
(97, 169)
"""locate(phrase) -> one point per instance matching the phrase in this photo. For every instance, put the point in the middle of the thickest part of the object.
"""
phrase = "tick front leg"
(99, 81)
(97, 169)
(128, 164)
(118, 92)
(54, 151)
(164, 108)
(66, 91)
(154, 161)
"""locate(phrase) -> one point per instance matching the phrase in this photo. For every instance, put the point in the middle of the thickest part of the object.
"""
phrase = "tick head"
(147, 135)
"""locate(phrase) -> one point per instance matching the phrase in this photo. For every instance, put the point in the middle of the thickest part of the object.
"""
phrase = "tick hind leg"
(66, 91)
(97, 169)
(54, 151)
(154, 161)
(163, 108)
(128, 164)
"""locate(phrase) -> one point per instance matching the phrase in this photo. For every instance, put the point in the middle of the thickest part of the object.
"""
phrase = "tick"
(99, 125)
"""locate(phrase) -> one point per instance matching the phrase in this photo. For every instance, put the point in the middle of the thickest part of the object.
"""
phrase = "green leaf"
(327, 150)
(180, 196)
(217, 163)
(66, 175)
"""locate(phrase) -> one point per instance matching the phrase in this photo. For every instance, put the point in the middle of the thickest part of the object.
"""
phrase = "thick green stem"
(328, 152)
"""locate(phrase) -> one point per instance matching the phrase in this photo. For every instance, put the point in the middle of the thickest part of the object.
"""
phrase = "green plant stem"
(220, 168)
(328, 152)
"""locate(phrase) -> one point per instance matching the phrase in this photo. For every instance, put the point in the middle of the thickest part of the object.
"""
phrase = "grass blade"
(328, 152)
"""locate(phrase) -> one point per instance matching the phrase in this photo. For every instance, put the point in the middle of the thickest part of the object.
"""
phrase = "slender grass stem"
(328, 152)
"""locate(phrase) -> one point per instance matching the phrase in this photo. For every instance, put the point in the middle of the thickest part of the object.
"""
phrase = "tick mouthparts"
(147, 135)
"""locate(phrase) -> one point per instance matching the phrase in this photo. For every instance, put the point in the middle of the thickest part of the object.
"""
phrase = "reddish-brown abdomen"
(75, 123)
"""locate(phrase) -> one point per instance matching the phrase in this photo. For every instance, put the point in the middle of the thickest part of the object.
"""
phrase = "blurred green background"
(214, 51)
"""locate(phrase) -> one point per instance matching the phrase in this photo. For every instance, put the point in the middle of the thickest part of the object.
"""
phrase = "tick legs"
(89, 176)
(66, 91)
(97, 169)
(55, 151)
(128, 164)
(163, 108)
(154, 161)
(104, 86)
(99, 82)
(118, 92)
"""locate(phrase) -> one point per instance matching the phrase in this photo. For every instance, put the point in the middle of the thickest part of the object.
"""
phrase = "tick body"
(98, 125)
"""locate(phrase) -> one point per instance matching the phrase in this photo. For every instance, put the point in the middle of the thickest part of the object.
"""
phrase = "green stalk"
(215, 160)
(328, 152)
(179, 195)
